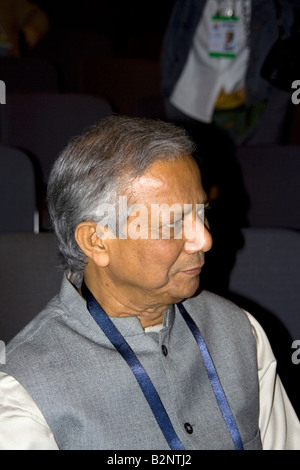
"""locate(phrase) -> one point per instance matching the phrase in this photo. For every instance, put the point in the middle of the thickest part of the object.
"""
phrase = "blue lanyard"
(214, 380)
(145, 383)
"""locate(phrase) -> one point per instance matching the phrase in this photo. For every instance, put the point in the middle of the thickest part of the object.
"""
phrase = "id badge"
(223, 34)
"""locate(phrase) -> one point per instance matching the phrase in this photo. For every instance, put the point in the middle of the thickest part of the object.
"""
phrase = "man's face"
(163, 269)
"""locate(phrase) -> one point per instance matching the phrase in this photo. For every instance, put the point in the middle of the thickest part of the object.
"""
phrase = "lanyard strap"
(214, 380)
(144, 381)
(138, 370)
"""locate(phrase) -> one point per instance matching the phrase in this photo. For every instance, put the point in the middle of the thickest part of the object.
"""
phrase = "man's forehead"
(166, 181)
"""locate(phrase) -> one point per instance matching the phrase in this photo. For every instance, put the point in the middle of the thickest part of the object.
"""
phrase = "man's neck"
(119, 306)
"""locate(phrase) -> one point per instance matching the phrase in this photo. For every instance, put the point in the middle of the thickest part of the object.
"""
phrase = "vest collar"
(76, 307)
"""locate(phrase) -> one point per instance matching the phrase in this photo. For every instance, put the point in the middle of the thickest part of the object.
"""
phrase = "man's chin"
(187, 292)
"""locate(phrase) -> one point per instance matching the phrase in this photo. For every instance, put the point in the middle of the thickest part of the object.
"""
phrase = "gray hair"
(98, 165)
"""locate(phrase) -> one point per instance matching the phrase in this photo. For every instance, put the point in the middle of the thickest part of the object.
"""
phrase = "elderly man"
(130, 355)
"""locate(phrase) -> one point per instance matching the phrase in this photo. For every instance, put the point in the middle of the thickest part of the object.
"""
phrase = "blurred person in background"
(212, 58)
(21, 21)
(207, 81)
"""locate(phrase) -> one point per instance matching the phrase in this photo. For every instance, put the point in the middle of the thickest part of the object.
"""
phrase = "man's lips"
(195, 271)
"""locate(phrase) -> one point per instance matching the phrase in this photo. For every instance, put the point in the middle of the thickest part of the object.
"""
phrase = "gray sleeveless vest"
(91, 400)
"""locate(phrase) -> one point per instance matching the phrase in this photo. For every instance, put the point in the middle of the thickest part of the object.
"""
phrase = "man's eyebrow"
(189, 207)
(206, 200)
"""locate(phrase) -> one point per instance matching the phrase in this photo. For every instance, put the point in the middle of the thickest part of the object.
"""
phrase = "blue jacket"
(264, 32)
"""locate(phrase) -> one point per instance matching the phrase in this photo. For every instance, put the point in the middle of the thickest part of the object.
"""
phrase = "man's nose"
(197, 238)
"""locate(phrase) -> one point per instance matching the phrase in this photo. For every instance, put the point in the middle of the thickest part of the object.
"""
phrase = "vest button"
(189, 428)
(164, 350)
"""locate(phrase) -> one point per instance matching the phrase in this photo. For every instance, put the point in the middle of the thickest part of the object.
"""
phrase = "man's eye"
(174, 224)
(202, 213)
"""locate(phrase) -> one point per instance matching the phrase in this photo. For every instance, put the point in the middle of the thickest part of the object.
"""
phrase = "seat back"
(266, 282)
(29, 278)
(18, 195)
(43, 123)
(267, 272)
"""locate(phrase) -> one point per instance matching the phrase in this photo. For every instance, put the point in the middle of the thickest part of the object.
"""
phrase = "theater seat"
(29, 278)
(18, 192)
(43, 123)
(265, 282)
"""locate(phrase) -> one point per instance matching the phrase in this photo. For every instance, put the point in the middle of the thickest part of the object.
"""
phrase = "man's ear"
(94, 247)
